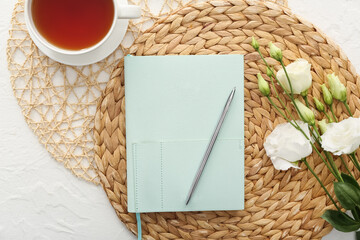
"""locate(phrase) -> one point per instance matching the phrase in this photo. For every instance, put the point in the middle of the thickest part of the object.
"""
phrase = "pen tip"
(234, 89)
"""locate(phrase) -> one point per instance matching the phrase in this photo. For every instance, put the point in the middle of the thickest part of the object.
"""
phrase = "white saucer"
(87, 58)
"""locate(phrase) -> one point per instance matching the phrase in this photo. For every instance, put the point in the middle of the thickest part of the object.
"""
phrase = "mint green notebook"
(173, 104)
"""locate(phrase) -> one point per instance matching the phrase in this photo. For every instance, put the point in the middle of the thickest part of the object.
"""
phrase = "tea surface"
(73, 24)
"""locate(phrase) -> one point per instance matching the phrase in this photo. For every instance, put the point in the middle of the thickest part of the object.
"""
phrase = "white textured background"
(39, 199)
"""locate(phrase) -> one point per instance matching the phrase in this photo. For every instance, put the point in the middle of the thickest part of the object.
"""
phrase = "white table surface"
(40, 199)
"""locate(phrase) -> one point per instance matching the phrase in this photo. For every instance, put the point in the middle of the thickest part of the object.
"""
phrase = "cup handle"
(128, 11)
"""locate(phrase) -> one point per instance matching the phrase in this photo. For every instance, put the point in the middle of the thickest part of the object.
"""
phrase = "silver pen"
(210, 146)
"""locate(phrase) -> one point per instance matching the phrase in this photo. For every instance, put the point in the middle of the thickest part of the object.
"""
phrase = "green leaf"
(347, 194)
(357, 235)
(356, 213)
(349, 179)
(340, 221)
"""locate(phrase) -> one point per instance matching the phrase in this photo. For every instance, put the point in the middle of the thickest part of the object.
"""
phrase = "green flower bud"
(305, 112)
(319, 105)
(268, 72)
(254, 43)
(328, 99)
(322, 126)
(337, 89)
(304, 93)
(275, 52)
(263, 85)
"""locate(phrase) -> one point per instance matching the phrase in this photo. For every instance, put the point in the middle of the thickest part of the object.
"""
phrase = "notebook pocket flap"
(165, 170)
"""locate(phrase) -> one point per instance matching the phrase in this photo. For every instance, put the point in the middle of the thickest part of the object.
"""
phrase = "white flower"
(299, 74)
(287, 145)
(342, 137)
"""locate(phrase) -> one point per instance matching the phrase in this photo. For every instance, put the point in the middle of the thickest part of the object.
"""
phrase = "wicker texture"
(59, 101)
(278, 204)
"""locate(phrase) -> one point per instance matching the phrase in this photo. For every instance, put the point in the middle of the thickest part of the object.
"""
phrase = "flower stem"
(281, 101)
(333, 165)
(293, 123)
(335, 170)
(347, 108)
(291, 96)
(333, 114)
(317, 133)
(288, 78)
(281, 113)
(306, 101)
(347, 169)
(327, 116)
(274, 87)
(325, 162)
(322, 185)
(354, 160)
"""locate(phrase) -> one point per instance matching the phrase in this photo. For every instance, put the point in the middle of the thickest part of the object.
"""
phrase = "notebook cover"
(173, 104)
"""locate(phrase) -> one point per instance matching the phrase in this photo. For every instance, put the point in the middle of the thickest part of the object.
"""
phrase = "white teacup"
(94, 53)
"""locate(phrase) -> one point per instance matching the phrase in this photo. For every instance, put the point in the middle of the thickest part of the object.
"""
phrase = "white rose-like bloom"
(286, 145)
(299, 74)
(342, 137)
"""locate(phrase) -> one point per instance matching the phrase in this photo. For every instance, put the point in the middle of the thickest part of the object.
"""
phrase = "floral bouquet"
(292, 142)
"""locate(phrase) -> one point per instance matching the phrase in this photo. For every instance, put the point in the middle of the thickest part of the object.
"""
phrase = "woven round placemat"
(278, 204)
